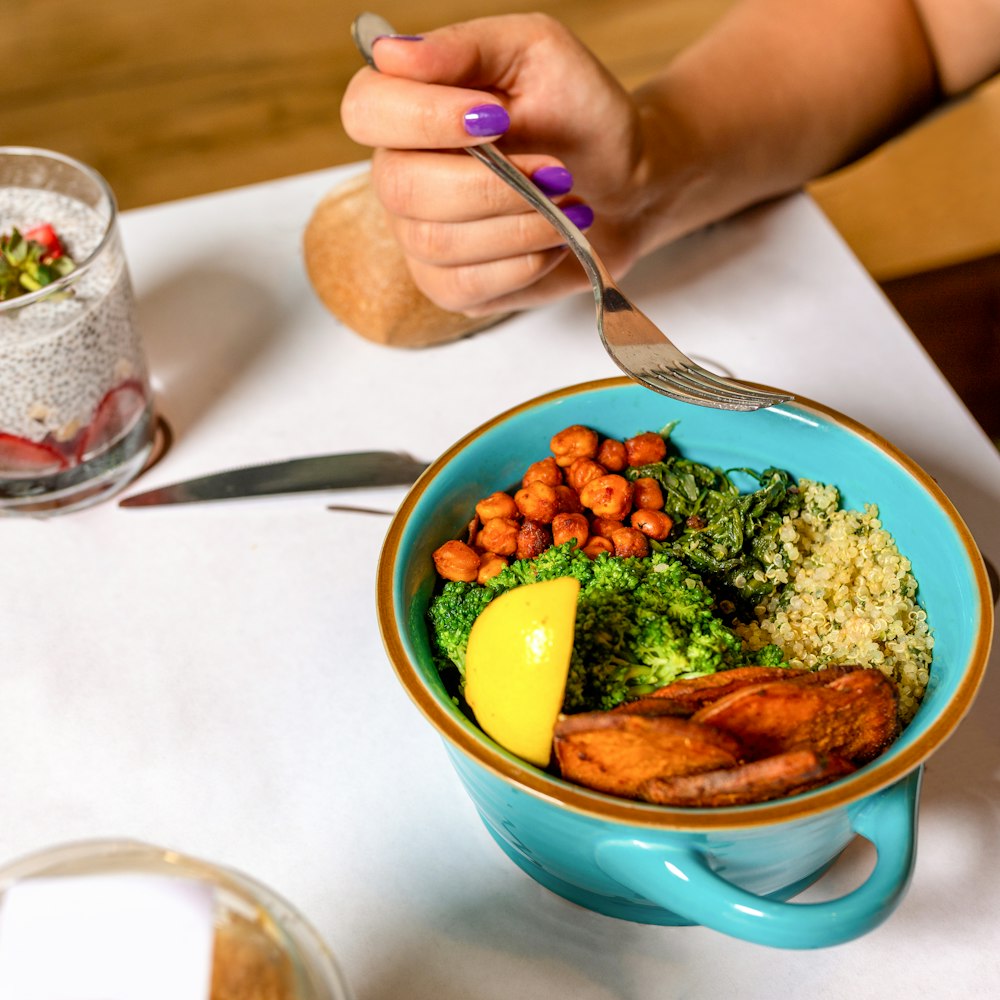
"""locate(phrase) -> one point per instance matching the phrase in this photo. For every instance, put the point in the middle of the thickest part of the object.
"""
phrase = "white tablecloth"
(211, 677)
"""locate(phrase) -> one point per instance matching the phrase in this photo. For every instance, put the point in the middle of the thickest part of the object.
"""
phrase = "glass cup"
(262, 947)
(76, 416)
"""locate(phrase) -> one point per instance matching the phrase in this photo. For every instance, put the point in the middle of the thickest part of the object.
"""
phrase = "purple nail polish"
(582, 216)
(486, 119)
(553, 180)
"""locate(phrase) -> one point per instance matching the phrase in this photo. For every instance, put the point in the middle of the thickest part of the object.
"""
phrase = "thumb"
(440, 90)
(486, 53)
(475, 54)
(552, 86)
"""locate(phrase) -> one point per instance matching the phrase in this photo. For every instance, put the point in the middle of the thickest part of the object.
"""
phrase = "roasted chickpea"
(499, 535)
(567, 526)
(532, 539)
(568, 500)
(537, 501)
(645, 448)
(630, 542)
(573, 443)
(472, 532)
(544, 471)
(598, 544)
(496, 505)
(605, 525)
(456, 561)
(489, 565)
(647, 494)
(582, 471)
(652, 523)
(608, 496)
(612, 455)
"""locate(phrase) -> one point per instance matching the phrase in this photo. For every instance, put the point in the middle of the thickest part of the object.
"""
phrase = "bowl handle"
(681, 880)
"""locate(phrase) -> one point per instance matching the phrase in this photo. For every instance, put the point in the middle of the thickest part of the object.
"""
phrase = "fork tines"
(694, 384)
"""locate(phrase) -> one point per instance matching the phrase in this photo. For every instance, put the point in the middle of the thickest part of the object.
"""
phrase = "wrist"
(673, 171)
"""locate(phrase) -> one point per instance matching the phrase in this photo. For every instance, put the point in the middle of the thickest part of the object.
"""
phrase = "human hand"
(472, 244)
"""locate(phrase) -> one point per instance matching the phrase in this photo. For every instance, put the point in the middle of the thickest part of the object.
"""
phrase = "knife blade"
(314, 474)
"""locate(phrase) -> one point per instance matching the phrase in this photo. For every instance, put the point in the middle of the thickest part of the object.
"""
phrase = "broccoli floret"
(602, 656)
(713, 647)
(661, 646)
(614, 573)
(680, 633)
(670, 588)
(554, 562)
(768, 656)
(642, 623)
(451, 615)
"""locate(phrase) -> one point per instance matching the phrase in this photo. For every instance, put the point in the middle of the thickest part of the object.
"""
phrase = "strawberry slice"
(18, 455)
(45, 236)
(115, 414)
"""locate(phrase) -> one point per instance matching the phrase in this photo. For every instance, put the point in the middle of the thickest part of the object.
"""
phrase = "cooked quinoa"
(844, 594)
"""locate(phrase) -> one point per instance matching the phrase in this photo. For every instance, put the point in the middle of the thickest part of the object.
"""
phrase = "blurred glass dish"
(263, 949)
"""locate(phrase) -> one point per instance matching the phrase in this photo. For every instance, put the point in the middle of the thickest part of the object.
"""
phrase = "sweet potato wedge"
(875, 705)
(853, 716)
(685, 697)
(758, 781)
(616, 753)
(693, 692)
(651, 705)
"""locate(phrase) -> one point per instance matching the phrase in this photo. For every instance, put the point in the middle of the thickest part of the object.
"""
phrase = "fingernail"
(553, 180)
(486, 119)
(582, 216)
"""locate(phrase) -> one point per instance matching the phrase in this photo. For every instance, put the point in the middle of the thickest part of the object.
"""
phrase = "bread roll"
(358, 271)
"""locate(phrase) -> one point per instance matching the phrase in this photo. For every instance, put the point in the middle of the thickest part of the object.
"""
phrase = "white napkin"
(106, 937)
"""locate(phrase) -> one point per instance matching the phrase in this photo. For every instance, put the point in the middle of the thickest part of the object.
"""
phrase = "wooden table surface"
(180, 98)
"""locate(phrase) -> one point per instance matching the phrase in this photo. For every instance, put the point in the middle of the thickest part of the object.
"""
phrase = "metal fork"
(631, 339)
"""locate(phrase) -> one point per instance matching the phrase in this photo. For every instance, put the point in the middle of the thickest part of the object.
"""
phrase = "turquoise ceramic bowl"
(732, 869)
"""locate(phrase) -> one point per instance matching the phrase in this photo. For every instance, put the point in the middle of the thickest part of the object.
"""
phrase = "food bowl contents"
(755, 816)
(727, 647)
(842, 593)
(768, 733)
(75, 402)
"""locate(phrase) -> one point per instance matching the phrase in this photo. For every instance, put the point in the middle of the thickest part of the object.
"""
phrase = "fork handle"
(599, 276)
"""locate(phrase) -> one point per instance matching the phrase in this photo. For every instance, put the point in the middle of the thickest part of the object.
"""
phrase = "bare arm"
(964, 37)
(777, 93)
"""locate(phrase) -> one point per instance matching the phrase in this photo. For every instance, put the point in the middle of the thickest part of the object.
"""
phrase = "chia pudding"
(74, 390)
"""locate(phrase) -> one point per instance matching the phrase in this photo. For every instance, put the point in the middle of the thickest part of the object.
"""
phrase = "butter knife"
(297, 475)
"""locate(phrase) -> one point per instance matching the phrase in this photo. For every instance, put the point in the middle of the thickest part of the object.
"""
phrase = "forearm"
(779, 92)
(964, 36)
